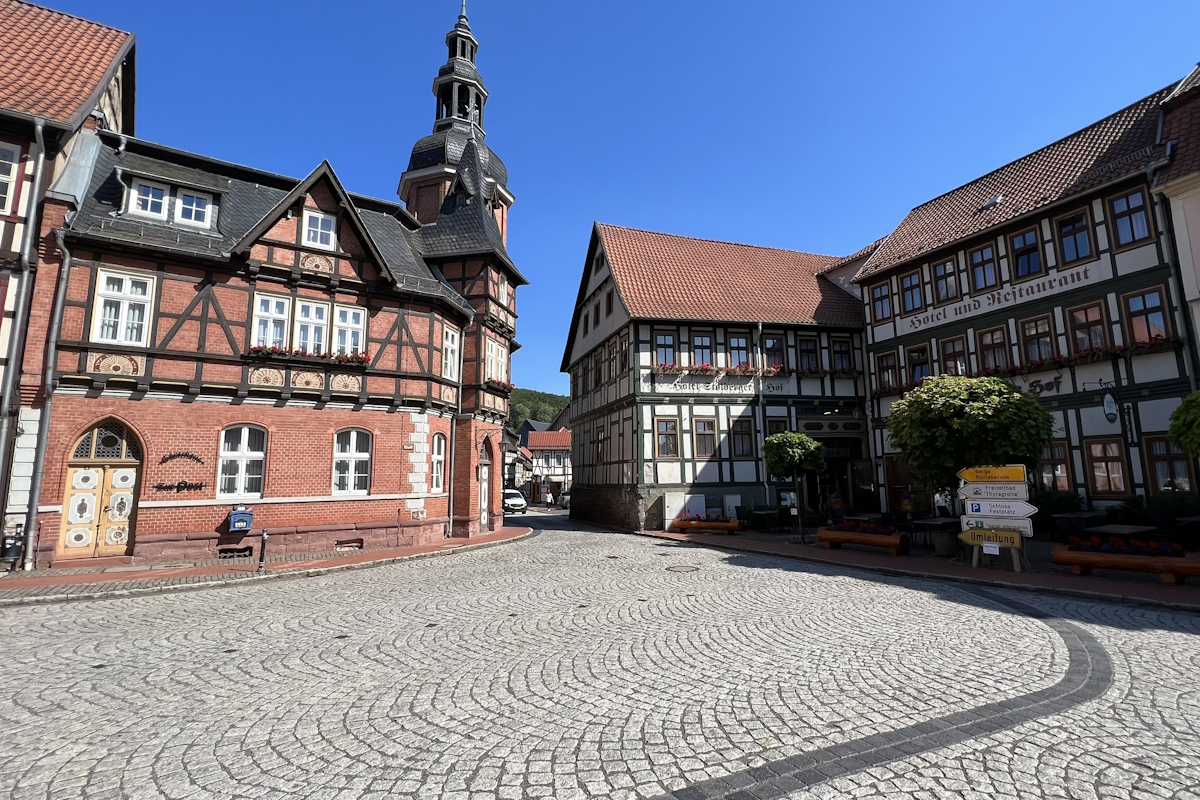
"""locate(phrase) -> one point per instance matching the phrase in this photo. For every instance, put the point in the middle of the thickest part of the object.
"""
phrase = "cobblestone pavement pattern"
(575, 665)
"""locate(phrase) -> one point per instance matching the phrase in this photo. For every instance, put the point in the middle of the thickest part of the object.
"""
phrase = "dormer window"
(193, 208)
(319, 230)
(149, 199)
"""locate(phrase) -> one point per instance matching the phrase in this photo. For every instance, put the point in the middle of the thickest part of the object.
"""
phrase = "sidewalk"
(1137, 591)
(21, 588)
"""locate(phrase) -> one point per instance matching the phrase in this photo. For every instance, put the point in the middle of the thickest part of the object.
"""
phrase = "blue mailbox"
(241, 518)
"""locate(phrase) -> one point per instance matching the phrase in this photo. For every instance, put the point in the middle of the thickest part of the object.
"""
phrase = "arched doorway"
(485, 469)
(100, 505)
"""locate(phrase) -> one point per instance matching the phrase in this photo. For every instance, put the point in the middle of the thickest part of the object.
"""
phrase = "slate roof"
(468, 228)
(661, 276)
(446, 147)
(244, 199)
(1122, 144)
(56, 65)
(550, 440)
(1182, 125)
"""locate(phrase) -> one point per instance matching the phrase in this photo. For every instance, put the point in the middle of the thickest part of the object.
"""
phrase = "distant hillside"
(538, 406)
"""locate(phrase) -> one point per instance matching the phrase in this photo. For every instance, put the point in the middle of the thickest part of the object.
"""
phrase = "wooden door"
(100, 505)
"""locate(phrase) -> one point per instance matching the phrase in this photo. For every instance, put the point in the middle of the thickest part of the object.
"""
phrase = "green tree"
(1185, 424)
(539, 406)
(794, 454)
(948, 423)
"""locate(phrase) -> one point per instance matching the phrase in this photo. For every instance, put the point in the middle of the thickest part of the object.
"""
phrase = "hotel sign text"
(1001, 298)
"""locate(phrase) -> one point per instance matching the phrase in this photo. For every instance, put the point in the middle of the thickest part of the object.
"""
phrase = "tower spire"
(463, 14)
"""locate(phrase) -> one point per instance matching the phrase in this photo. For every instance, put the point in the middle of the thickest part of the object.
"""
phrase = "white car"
(564, 500)
(514, 502)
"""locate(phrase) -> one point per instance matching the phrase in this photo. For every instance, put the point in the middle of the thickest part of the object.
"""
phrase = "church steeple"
(460, 93)
(461, 97)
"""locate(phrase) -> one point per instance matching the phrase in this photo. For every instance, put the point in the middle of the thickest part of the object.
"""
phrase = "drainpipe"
(15, 335)
(762, 410)
(39, 453)
(453, 437)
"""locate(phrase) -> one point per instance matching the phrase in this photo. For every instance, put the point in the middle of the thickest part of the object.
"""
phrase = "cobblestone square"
(580, 664)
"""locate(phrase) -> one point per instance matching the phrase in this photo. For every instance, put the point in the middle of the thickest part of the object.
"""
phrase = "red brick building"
(204, 336)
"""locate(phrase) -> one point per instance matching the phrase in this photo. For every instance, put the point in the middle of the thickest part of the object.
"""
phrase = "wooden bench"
(705, 525)
(896, 543)
(1174, 570)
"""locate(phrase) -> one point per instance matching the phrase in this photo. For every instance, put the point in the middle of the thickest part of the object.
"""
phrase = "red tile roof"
(54, 63)
(1119, 145)
(661, 276)
(550, 440)
(1182, 124)
(525, 452)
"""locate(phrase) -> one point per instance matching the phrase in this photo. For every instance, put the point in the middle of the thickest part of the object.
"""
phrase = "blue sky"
(805, 125)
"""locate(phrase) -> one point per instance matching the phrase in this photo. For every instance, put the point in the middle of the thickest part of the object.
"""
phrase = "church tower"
(459, 117)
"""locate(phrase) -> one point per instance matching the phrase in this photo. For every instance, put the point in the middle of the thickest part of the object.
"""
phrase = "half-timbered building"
(1057, 272)
(62, 74)
(684, 354)
(219, 336)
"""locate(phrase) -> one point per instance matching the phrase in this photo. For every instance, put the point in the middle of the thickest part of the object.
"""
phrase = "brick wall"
(299, 464)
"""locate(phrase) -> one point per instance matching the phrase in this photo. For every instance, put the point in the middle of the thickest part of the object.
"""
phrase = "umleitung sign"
(984, 536)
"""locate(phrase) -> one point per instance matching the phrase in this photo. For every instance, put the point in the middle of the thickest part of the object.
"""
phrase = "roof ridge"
(56, 12)
(1150, 97)
(715, 241)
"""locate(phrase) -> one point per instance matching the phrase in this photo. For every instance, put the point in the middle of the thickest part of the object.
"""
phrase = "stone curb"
(266, 576)
(1082, 594)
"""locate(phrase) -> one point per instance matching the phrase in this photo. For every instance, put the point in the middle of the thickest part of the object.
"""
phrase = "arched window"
(243, 462)
(351, 462)
(437, 480)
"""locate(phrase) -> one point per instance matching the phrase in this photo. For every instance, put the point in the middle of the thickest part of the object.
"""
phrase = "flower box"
(344, 359)
(668, 369)
(706, 370)
(742, 371)
(499, 386)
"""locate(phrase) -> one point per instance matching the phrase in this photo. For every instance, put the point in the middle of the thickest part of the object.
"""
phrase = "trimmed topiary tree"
(794, 454)
(1185, 424)
(948, 423)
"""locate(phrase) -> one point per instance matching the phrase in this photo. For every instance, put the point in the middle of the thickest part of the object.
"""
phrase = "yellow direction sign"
(981, 536)
(1013, 473)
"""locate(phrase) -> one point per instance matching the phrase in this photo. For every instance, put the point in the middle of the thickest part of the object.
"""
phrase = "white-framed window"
(193, 208)
(351, 462)
(503, 290)
(271, 320)
(312, 327)
(497, 362)
(122, 311)
(450, 353)
(320, 230)
(10, 174)
(437, 479)
(149, 199)
(349, 330)
(243, 461)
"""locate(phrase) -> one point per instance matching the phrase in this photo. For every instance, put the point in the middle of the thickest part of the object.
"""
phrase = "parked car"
(564, 499)
(514, 502)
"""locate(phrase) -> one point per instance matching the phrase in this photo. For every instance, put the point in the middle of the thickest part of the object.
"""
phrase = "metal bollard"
(262, 551)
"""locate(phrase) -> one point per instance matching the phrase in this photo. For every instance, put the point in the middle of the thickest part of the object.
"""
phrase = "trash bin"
(241, 519)
(11, 547)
